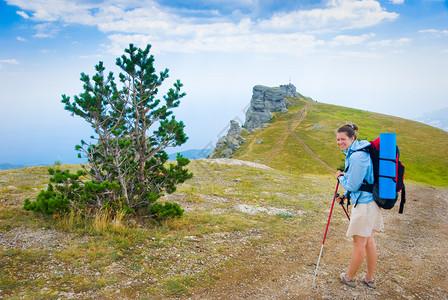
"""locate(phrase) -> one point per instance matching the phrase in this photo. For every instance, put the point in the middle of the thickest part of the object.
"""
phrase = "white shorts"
(365, 218)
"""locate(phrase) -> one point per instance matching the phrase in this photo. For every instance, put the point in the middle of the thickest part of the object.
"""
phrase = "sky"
(386, 56)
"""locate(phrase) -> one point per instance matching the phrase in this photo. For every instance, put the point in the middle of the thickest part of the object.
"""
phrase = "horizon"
(387, 57)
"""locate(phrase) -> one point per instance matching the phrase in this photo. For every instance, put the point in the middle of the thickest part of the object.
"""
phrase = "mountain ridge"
(302, 140)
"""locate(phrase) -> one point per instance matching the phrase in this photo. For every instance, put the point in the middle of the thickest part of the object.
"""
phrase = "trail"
(292, 125)
(412, 262)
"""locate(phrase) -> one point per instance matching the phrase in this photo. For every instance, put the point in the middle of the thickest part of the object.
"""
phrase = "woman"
(366, 215)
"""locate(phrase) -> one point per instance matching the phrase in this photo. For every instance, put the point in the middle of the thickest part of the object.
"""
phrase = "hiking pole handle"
(342, 205)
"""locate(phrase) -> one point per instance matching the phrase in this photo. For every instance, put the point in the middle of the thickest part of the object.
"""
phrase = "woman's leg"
(358, 255)
(371, 257)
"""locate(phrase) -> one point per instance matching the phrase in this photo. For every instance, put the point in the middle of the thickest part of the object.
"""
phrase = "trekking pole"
(342, 205)
(326, 230)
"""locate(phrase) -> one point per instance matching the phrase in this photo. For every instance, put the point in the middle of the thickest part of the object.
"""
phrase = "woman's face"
(344, 142)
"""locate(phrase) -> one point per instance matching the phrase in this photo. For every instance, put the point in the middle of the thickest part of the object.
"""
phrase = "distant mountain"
(10, 166)
(191, 154)
(437, 118)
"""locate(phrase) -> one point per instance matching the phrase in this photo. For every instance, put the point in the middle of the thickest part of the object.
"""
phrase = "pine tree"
(126, 161)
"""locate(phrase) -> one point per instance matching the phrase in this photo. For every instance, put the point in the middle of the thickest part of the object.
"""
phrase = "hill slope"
(303, 141)
(248, 232)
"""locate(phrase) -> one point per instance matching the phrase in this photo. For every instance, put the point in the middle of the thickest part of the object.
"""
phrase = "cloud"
(23, 14)
(397, 1)
(390, 43)
(9, 61)
(46, 30)
(19, 38)
(12, 61)
(428, 31)
(434, 32)
(338, 15)
(350, 40)
(294, 43)
(181, 28)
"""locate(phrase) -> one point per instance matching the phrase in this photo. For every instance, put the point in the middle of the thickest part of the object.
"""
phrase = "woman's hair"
(349, 129)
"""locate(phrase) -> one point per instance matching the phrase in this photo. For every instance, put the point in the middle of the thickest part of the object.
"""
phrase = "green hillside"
(303, 141)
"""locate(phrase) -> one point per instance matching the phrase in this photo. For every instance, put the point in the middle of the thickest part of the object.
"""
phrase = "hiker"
(366, 216)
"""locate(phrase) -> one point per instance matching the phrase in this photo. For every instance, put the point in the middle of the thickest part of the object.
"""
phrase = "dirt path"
(310, 152)
(413, 252)
(291, 126)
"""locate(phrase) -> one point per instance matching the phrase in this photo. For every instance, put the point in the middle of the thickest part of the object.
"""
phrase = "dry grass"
(88, 257)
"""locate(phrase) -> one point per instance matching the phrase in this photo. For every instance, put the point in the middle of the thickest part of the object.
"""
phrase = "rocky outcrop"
(258, 112)
(264, 101)
(290, 90)
(227, 145)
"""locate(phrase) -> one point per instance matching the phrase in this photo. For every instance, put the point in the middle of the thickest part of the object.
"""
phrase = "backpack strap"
(365, 186)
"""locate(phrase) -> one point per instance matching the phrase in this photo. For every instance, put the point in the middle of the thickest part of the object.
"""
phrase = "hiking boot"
(350, 283)
(370, 283)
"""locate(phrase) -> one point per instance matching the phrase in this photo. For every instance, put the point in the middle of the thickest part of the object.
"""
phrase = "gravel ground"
(413, 252)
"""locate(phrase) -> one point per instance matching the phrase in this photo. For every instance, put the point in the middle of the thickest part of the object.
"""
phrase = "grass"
(138, 258)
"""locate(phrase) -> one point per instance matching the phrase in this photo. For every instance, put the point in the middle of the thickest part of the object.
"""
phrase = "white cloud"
(357, 55)
(403, 41)
(350, 40)
(390, 43)
(12, 61)
(397, 1)
(294, 43)
(428, 31)
(183, 32)
(435, 32)
(23, 14)
(338, 15)
(19, 38)
(382, 43)
(46, 30)
(9, 61)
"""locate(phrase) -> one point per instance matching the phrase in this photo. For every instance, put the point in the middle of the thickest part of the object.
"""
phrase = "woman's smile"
(344, 142)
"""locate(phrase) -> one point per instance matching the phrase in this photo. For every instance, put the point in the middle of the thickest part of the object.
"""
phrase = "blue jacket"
(360, 168)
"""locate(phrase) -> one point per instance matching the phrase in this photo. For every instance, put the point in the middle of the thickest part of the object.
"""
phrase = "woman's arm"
(353, 178)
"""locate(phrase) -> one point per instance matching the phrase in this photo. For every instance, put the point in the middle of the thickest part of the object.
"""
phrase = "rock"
(290, 90)
(258, 112)
(227, 145)
(317, 126)
(260, 141)
(266, 100)
(235, 128)
(234, 141)
(226, 153)
(274, 99)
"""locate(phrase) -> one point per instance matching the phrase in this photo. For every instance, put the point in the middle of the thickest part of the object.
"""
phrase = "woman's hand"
(339, 173)
(341, 198)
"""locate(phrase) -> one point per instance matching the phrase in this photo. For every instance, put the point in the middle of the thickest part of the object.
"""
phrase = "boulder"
(266, 100)
(228, 144)
(274, 99)
(290, 90)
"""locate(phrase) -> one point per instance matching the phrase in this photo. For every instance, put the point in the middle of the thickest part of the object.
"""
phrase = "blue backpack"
(386, 203)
